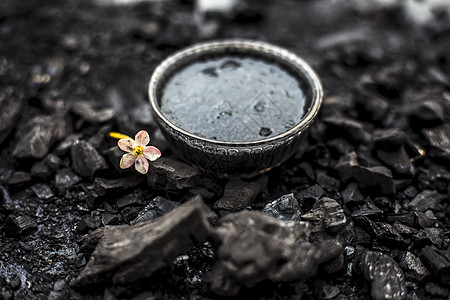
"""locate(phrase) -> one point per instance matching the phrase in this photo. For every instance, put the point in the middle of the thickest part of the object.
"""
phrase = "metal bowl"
(231, 158)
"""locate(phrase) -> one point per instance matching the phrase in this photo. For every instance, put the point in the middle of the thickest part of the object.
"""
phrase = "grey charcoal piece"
(285, 208)
(126, 253)
(86, 160)
(239, 194)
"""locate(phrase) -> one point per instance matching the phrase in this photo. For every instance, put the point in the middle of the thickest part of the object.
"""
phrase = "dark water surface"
(233, 98)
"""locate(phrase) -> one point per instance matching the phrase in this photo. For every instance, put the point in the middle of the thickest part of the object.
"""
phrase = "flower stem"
(119, 136)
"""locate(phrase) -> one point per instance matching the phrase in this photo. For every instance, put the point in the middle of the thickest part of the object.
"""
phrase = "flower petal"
(127, 145)
(127, 160)
(142, 138)
(141, 164)
(152, 153)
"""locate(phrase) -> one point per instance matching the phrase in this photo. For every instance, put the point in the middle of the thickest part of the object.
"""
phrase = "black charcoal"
(18, 224)
(86, 160)
(157, 207)
(438, 262)
(42, 191)
(285, 208)
(239, 194)
(427, 199)
(414, 267)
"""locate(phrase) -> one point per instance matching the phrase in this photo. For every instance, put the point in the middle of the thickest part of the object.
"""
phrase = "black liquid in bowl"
(235, 108)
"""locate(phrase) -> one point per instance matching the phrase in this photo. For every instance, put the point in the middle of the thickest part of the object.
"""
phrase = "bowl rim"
(286, 56)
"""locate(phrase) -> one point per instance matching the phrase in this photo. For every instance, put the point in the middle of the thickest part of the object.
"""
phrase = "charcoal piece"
(397, 160)
(377, 178)
(40, 170)
(438, 262)
(17, 224)
(351, 195)
(66, 178)
(129, 200)
(86, 160)
(404, 229)
(436, 290)
(99, 138)
(285, 208)
(382, 232)
(425, 220)
(105, 187)
(67, 143)
(42, 191)
(414, 267)
(404, 218)
(130, 213)
(168, 174)
(426, 114)
(345, 165)
(10, 112)
(254, 247)
(157, 207)
(34, 137)
(113, 156)
(385, 276)
(369, 209)
(330, 291)
(126, 253)
(431, 235)
(346, 127)
(340, 146)
(439, 138)
(372, 108)
(308, 197)
(389, 139)
(109, 219)
(239, 194)
(427, 199)
(19, 179)
(327, 182)
(326, 214)
(92, 112)
(411, 191)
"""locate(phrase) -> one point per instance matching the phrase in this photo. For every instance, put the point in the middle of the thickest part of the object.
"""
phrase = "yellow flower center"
(138, 150)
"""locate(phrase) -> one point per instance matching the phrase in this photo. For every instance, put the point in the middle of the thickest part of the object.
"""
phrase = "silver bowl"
(236, 158)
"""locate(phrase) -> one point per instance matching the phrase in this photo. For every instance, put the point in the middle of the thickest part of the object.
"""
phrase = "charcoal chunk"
(439, 138)
(311, 195)
(66, 178)
(126, 253)
(326, 214)
(35, 137)
(386, 277)
(91, 112)
(397, 160)
(19, 179)
(239, 194)
(157, 207)
(86, 160)
(345, 165)
(10, 112)
(426, 114)
(168, 174)
(414, 267)
(389, 139)
(17, 224)
(431, 235)
(254, 247)
(105, 187)
(42, 191)
(285, 208)
(438, 262)
(341, 125)
(378, 178)
(427, 199)
(351, 195)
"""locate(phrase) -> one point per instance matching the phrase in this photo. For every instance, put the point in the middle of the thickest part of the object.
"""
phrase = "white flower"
(138, 152)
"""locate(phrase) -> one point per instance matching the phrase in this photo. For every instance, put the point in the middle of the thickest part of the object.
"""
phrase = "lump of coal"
(127, 253)
(426, 114)
(285, 208)
(169, 174)
(378, 178)
(10, 112)
(438, 262)
(66, 178)
(414, 267)
(386, 277)
(439, 138)
(86, 160)
(157, 207)
(34, 137)
(427, 199)
(338, 124)
(238, 193)
(17, 224)
(90, 112)
(326, 214)
(42, 191)
(254, 247)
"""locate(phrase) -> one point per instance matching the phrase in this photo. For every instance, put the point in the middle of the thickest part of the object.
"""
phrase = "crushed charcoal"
(17, 224)
(379, 178)
(397, 160)
(411, 191)
(404, 230)
(85, 159)
(66, 178)
(239, 194)
(285, 208)
(10, 113)
(130, 213)
(439, 138)
(42, 191)
(157, 207)
(382, 232)
(109, 219)
(425, 220)
(413, 266)
(345, 165)
(308, 197)
(127, 253)
(172, 175)
(330, 291)
(351, 195)
(386, 278)
(437, 261)
(327, 182)
(431, 235)
(369, 209)
(105, 187)
(326, 214)
(66, 144)
(130, 199)
(349, 128)
(426, 114)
